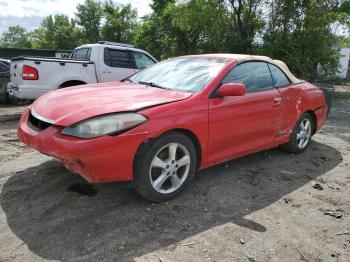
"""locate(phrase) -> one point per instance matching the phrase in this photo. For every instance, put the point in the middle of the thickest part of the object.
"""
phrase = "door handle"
(277, 101)
(106, 72)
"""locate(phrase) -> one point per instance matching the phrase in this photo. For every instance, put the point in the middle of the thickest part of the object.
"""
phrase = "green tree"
(345, 7)
(89, 16)
(38, 38)
(198, 26)
(184, 28)
(152, 34)
(345, 42)
(119, 24)
(16, 37)
(299, 32)
(246, 21)
(158, 6)
(56, 32)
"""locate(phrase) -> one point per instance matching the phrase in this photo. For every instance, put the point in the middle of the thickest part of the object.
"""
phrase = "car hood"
(70, 105)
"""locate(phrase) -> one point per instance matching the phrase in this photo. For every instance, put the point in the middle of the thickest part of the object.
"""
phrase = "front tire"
(301, 135)
(163, 167)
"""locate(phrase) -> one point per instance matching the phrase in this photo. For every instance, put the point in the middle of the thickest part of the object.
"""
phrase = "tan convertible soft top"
(244, 58)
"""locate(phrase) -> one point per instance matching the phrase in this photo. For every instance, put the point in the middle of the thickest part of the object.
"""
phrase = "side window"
(117, 58)
(142, 60)
(3, 68)
(254, 75)
(279, 78)
(83, 53)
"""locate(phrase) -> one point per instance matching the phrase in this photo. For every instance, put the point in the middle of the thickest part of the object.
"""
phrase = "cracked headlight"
(111, 124)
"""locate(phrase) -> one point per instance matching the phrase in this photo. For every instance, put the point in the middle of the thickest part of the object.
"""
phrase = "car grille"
(37, 123)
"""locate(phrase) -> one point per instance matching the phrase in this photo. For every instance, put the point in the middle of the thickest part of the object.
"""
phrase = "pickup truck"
(105, 61)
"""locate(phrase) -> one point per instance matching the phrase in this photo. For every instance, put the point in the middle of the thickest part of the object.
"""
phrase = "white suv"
(92, 63)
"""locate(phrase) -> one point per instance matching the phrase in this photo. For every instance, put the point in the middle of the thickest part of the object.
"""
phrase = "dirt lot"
(257, 208)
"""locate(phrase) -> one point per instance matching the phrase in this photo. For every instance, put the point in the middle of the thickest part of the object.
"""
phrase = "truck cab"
(115, 60)
(104, 61)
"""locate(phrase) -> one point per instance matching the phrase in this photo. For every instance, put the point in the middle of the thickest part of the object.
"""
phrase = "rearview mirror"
(231, 89)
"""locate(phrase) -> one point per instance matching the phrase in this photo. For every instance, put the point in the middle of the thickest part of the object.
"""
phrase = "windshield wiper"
(152, 84)
(127, 80)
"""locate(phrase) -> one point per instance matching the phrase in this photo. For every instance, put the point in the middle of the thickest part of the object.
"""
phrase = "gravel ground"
(258, 208)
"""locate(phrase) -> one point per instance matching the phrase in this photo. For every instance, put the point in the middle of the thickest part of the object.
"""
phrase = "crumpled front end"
(102, 159)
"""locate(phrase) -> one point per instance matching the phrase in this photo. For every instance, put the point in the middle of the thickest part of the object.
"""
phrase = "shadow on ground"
(116, 224)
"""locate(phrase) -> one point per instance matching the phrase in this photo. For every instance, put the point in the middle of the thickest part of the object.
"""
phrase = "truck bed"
(50, 59)
(53, 73)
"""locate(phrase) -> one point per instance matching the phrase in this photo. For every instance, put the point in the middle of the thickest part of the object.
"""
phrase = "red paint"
(29, 73)
(225, 127)
(231, 89)
(239, 124)
(81, 102)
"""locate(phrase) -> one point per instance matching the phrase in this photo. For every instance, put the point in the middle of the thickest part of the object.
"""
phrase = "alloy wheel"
(304, 133)
(169, 168)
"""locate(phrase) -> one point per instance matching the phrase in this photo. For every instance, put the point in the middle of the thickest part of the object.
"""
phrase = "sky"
(29, 13)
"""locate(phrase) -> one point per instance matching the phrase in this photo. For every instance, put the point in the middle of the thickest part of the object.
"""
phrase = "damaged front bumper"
(102, 159)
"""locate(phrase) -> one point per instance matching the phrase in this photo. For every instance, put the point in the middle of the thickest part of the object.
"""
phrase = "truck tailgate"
(46, 74)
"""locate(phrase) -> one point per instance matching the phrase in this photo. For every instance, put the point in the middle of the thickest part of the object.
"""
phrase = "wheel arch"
(185, 132)
(71, 83)
(314, 119)
(194, 140)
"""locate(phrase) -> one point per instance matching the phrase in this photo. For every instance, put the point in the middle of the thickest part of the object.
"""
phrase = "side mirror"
(231, 89)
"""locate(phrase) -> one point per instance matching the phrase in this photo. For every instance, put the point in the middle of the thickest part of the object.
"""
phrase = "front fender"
(188, 115)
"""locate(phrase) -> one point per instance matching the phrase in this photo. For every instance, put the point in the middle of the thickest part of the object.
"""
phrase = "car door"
(291, 99)
(116, 65)
(243, 124)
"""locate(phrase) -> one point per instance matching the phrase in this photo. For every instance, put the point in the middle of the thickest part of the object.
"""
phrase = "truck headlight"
(103, 125)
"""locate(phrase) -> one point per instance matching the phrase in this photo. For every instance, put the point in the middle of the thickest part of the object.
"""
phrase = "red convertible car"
(160, 126)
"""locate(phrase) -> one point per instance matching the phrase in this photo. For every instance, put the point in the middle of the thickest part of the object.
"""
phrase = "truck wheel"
(301, 136)
(164, 167)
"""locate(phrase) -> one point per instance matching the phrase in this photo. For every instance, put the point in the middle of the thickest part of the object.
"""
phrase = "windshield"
(187, 74)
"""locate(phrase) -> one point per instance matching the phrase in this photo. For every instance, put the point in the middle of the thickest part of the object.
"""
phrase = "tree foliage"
(344, 7)
(299, 32)
(245, 23)
(120, 23)
(184, 28)
(89, 16)
(56, 32)
(303, 33)
(15, 36)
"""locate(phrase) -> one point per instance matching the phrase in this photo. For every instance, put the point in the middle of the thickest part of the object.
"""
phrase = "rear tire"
(301, 135)
(164, 167)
